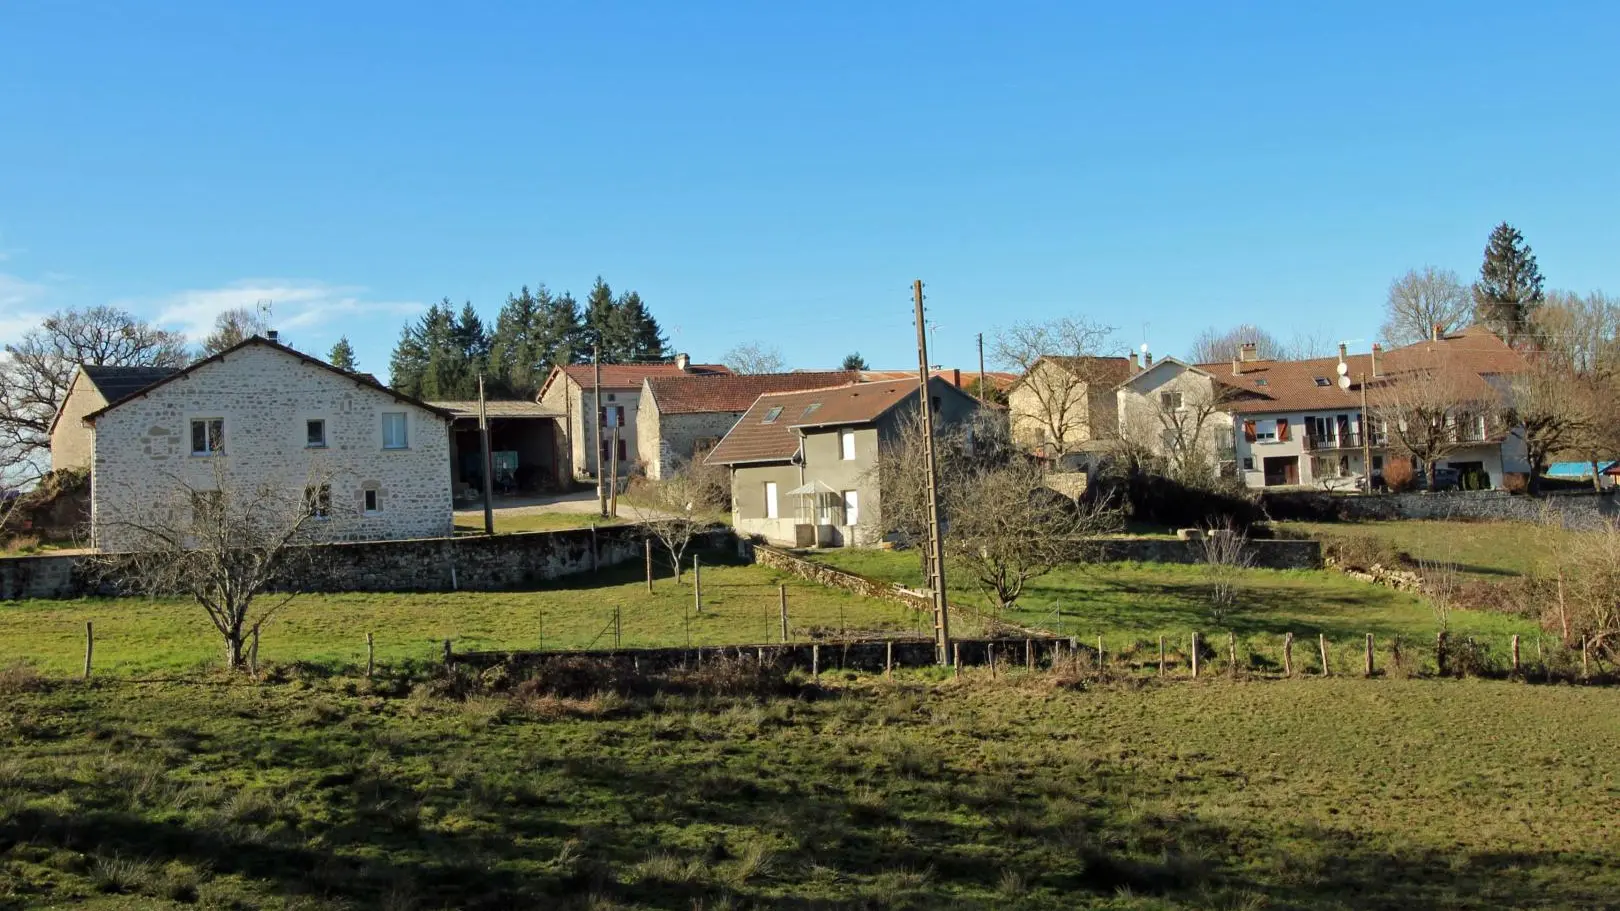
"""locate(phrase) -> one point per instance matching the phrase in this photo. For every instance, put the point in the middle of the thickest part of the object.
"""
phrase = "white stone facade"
(264, 397)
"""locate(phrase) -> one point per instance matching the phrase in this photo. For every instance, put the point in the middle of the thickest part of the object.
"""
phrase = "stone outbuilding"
(681, 418)
(93, 388)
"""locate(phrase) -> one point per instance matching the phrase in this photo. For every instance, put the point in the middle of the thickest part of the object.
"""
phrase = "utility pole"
(981, 367)
(1366, 435)
(489, 461)
(601, 421)
(936, 546)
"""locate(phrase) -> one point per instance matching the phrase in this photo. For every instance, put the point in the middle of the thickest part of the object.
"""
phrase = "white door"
(852, 507)
(770, 500)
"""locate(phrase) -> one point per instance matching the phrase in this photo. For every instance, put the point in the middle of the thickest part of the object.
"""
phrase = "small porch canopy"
(818, 504)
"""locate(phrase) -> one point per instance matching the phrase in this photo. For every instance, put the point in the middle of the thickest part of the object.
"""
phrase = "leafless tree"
(1441, 585)
(1590, 568)
(35, 372)
(1217, 345)
(677, 508)
(1226, 554)
(1431, 409)
(1182, 428)
(1554, 409)
(233, 546)
(1064, 395)
(1421, 299)
(1582, 331)
(754, 358)
(232, 327)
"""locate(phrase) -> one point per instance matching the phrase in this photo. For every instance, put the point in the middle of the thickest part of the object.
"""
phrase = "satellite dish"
(1344, 381)
(1344, 369)
(1144, 347)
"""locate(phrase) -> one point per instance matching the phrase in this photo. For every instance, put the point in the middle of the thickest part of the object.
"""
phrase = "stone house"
(803, 464)
(681, 418)
(93, 388)
(1065, 405)
(1302, 423)
(571, 392)
(261, 413)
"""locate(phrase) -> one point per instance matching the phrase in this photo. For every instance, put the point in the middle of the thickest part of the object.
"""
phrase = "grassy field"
(1137, 602)
(740, 605)
(508, 521)
(1482, 550)
(328, 794)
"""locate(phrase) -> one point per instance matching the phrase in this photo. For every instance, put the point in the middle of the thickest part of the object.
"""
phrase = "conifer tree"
(599, 323)
(638, 331)
(561, 334)
(854, 361)
(1510, 285)
(342, 355)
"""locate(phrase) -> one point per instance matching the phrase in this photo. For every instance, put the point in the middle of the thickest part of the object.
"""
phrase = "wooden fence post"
(1195, 655)
(647, 549)
(956, 658)
(815, 660)
(1440, 652)
(990, 650)
(1029, 654)
(1515, 654)
(1369, 654)
(253, 653)
(697, 585)
(1586, 667)
(1231, 653)
(781, 593)
(1100, 656)
(1288, 655)
(888, 658)
(89, 646)
(447, 653)
(371, 656)
(1321, 643)
(1161, 656)
(618, 626)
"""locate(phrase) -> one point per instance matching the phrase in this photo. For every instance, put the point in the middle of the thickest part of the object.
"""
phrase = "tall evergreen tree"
(446, 367)
(1509, 287)
(562, 333)
(512, 356)
(601, 329)
(643, 338)
(342, 355)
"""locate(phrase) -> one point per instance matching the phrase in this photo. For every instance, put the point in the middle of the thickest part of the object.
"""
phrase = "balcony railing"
(1350, 440)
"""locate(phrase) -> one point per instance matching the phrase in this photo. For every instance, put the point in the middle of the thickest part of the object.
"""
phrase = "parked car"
(1444, 479)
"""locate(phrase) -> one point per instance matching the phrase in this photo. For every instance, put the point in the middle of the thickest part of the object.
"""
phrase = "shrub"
(1515, 482)
(1398, 475)
(1361, 551)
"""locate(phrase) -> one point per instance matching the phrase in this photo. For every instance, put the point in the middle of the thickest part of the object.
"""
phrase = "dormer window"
(1323, 381)
(809, 410)
(772, 415)
(1262, 382)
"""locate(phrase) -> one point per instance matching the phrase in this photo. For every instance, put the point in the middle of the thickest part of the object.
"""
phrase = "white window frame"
(213, 441)
(308, 444)
(852, 507)
(772, 509)
(846, 445)
(404, 427)
(1261, 434)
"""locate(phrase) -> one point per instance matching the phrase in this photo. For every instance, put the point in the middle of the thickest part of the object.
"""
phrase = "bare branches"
(1181, 427)
(1065, 395)
(1432, 409)
(754, 358)
(674, 510)
(1422, 299)
(1589, 567)
(1226, 554)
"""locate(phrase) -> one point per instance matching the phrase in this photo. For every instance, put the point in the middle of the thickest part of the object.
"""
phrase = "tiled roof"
(1312, 384)
(115, 383)
(703, 394)
(752, 439)
(631, 376)
(961, 379)
(498, 409)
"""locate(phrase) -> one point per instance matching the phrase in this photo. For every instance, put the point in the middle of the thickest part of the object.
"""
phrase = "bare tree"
(1064, 395)
(1226, 553)
(1441, 586)
(754, 358)
(1217, 345)
(1554, 409)
(677, 508)
(1590, 569)
(1581, 331)
(233, 546)
(1422, 299)
(232, 327)
(1431, 410)
(1182, 427)
(35, 373)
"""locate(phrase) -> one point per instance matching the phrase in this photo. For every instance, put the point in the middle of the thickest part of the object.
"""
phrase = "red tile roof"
(703, 394)
(630, 376)
(752, 439)
(1312, 384)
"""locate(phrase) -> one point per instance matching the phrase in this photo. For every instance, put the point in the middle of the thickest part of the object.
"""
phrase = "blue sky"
(780, 173)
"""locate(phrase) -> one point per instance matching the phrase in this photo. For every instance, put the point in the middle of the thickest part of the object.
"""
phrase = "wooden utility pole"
(489, 460)
(981, 367)
(936, 546)
(781, 591)
(601, 421)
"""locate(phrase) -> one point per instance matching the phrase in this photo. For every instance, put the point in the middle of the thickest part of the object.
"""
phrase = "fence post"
(781, 592)
(697, 585)
(815, 660)
(1369, 654)
(956, 658)
(1288, 654)
(1161, 656)
(618, 627)
(990, 650)
(647, 548)
(253, 653)
(1586, 668)
(1195, 655)
(1440, 652)
(888, 658)
(1231, 653)
(371, 656)
(1099, 654)
(1029, 654)
(447, 653)
(1515, 654)
(1321, 643)
(89, 646)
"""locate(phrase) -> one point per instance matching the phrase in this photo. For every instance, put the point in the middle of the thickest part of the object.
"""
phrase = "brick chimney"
(1237, 363)
(1438, 333)
(1250, 352)
(956, 377)
(272, 335)
(1344, 353)
(1377, 350)
(1136, 365)
(683, 363)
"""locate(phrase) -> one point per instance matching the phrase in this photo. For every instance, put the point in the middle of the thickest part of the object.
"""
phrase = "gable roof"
(359, 379)
(710, 393)
(502, 408)
(961, 379)
(752, 439)
(1472, 355)
(627, 376)
(1104, 371)
(114, 383)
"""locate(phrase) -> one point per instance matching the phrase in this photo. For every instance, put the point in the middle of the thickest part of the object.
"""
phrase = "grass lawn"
(508, 521)
(1137, 602)
(1482, 550)
(139, 636)
(327, 794)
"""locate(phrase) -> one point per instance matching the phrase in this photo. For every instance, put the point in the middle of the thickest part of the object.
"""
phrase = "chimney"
(1147, 359)
(1136, 365)
(956, 377)
(1377, 350)
(683, 363)
(1344, 353)
(1250, 352)
(1439, 332)
(272, 335)
(1237, 363)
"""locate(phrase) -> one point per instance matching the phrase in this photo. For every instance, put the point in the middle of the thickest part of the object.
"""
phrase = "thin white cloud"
(293, 305)
(18, 300)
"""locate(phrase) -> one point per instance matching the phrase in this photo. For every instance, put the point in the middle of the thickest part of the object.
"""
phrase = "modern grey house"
(681, 418)
(803, 464)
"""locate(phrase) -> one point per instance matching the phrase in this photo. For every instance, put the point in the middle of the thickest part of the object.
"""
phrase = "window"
(1282, 430)
(611, 416)
(1248, 463)
(770, 500)
(852, 507)
(607, 451)
(1170, 401)
(1265, 431)
(372, 500)
(207, 436)
(1323, 381)
(809, 410)
(1378, 463)
(315, 434)
(772, 415)
(1262, 381)
(934, 404)
(394, 430)
(318, 501)
(846, 445)
(612, 397)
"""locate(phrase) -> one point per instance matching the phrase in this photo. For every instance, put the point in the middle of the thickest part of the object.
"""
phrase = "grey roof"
(115, 383)
(498, 409)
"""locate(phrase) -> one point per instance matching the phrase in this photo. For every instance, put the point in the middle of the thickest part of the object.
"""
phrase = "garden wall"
(1576, 511)
(479, 563)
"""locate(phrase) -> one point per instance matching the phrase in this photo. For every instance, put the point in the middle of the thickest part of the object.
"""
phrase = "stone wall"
(498, 563)
(1575, 511)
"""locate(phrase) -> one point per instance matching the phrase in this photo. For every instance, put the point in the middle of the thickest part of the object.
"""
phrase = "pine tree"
(408, 363)
(342, 355)
(512, 356)
(600, 323)
(1509, 287)
(854, 361)
(638, 330)
(562, 334)
(445, 368)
